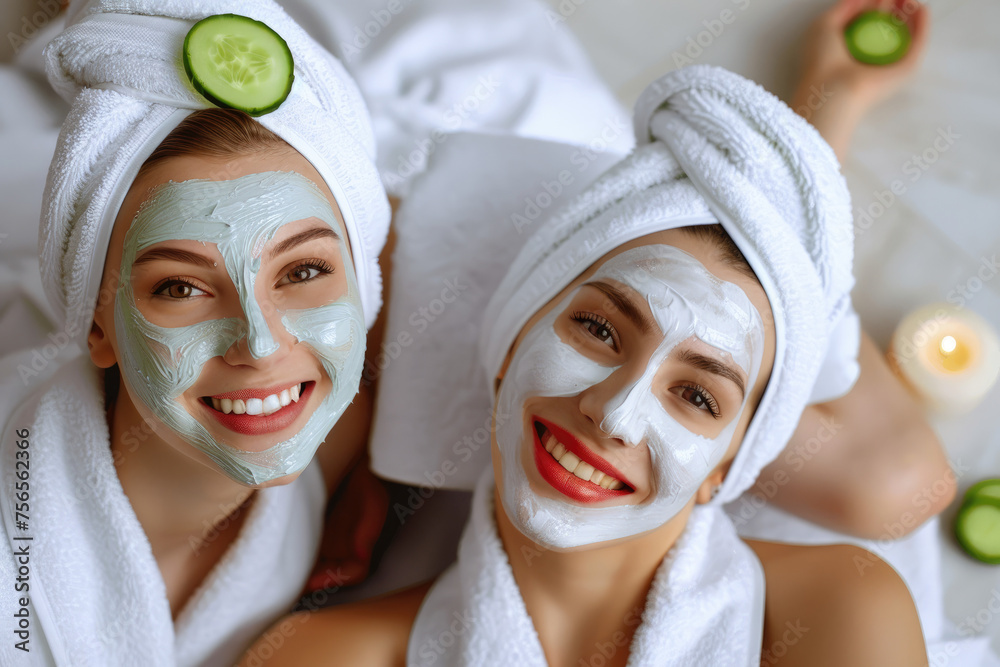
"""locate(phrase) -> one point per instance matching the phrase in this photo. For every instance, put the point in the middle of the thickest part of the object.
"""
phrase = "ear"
(709, 487)
(99, 345)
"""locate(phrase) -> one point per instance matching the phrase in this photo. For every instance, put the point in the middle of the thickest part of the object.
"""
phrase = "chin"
(280, 481)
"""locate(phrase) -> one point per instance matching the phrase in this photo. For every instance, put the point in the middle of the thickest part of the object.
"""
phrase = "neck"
(581, 600)
(180, 501)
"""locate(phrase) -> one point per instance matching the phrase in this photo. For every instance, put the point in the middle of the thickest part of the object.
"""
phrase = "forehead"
(705, 252)
(685, 298)
(244, 212)
(195, 167)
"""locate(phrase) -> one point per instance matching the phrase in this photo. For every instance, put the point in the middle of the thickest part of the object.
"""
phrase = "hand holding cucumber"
(836, 89)
(828, 59)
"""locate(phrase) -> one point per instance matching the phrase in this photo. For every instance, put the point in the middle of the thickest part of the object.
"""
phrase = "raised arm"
(868, 463)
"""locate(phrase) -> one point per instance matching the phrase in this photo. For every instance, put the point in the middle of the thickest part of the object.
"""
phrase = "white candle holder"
(949, 356)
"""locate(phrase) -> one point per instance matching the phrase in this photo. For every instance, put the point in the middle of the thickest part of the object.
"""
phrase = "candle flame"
(948, 345)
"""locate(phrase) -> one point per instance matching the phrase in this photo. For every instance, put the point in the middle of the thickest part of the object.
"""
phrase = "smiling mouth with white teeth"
(572, 462)
(574, 469)
(259, 411)
(256, 406)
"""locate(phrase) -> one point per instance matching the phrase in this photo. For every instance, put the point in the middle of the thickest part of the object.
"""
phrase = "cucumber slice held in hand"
(239, 63)
(977, 528)
(877, 38)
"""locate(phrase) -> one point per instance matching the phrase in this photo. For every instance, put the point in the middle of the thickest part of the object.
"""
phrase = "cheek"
(544, 365)
(333, 332)
(682, 459)
(738, 434)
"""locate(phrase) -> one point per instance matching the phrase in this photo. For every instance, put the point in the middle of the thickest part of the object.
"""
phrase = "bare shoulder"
(372, 632)
(835, 605)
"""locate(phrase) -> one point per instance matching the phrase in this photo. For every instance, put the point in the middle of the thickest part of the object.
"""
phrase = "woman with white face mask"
(649, 351)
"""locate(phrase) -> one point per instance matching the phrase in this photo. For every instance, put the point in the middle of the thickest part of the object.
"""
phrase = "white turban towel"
(118, 64)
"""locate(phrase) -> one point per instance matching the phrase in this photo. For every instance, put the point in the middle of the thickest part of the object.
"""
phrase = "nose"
(619, 405)
(259, 339)
(600, 403)
(626, 414)
(266, 342)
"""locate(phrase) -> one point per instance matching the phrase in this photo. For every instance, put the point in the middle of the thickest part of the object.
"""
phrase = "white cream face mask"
(160, 363)
(686, 301)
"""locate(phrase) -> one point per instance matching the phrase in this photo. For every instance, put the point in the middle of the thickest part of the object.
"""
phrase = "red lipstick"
(564, 481)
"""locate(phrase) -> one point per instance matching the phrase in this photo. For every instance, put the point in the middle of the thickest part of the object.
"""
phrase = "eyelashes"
(601, 330)
(320, 267)
(180, 288)
(703, 399)
(165, 288)
(598, 327)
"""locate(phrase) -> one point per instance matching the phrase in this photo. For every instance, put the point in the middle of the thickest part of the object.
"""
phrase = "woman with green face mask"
(210, 234)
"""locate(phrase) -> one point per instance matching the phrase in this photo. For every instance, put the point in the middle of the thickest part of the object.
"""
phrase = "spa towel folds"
(96, 593)
(705, 606)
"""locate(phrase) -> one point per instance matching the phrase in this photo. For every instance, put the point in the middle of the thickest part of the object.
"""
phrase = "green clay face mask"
(159, 363)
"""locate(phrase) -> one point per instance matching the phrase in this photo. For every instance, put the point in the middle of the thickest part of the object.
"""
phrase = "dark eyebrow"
(174, 255)
(623, 302)
(302, 237)
(712, 366)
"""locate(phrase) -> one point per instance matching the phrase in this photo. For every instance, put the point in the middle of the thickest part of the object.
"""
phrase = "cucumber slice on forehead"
(239, 63)
(977, 528)
(877, 38)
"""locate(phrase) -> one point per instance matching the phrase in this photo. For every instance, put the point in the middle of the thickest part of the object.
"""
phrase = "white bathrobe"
(96, 593)
(704, 607)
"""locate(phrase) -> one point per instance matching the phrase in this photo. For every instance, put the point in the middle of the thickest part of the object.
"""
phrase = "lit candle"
(949, 356)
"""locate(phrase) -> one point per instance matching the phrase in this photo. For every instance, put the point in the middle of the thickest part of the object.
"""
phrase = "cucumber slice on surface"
(877, 38)
(239, 63)
(977, 528)
(984, 490)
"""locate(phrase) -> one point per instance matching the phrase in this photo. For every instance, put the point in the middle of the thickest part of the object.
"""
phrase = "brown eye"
(305, 272)
(601, 333)
(597, 327)
(695, 398)
(300, 274)
(699, 398)
(178, 289)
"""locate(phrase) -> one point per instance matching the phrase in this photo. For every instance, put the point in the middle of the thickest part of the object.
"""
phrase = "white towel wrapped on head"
(118, 64)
